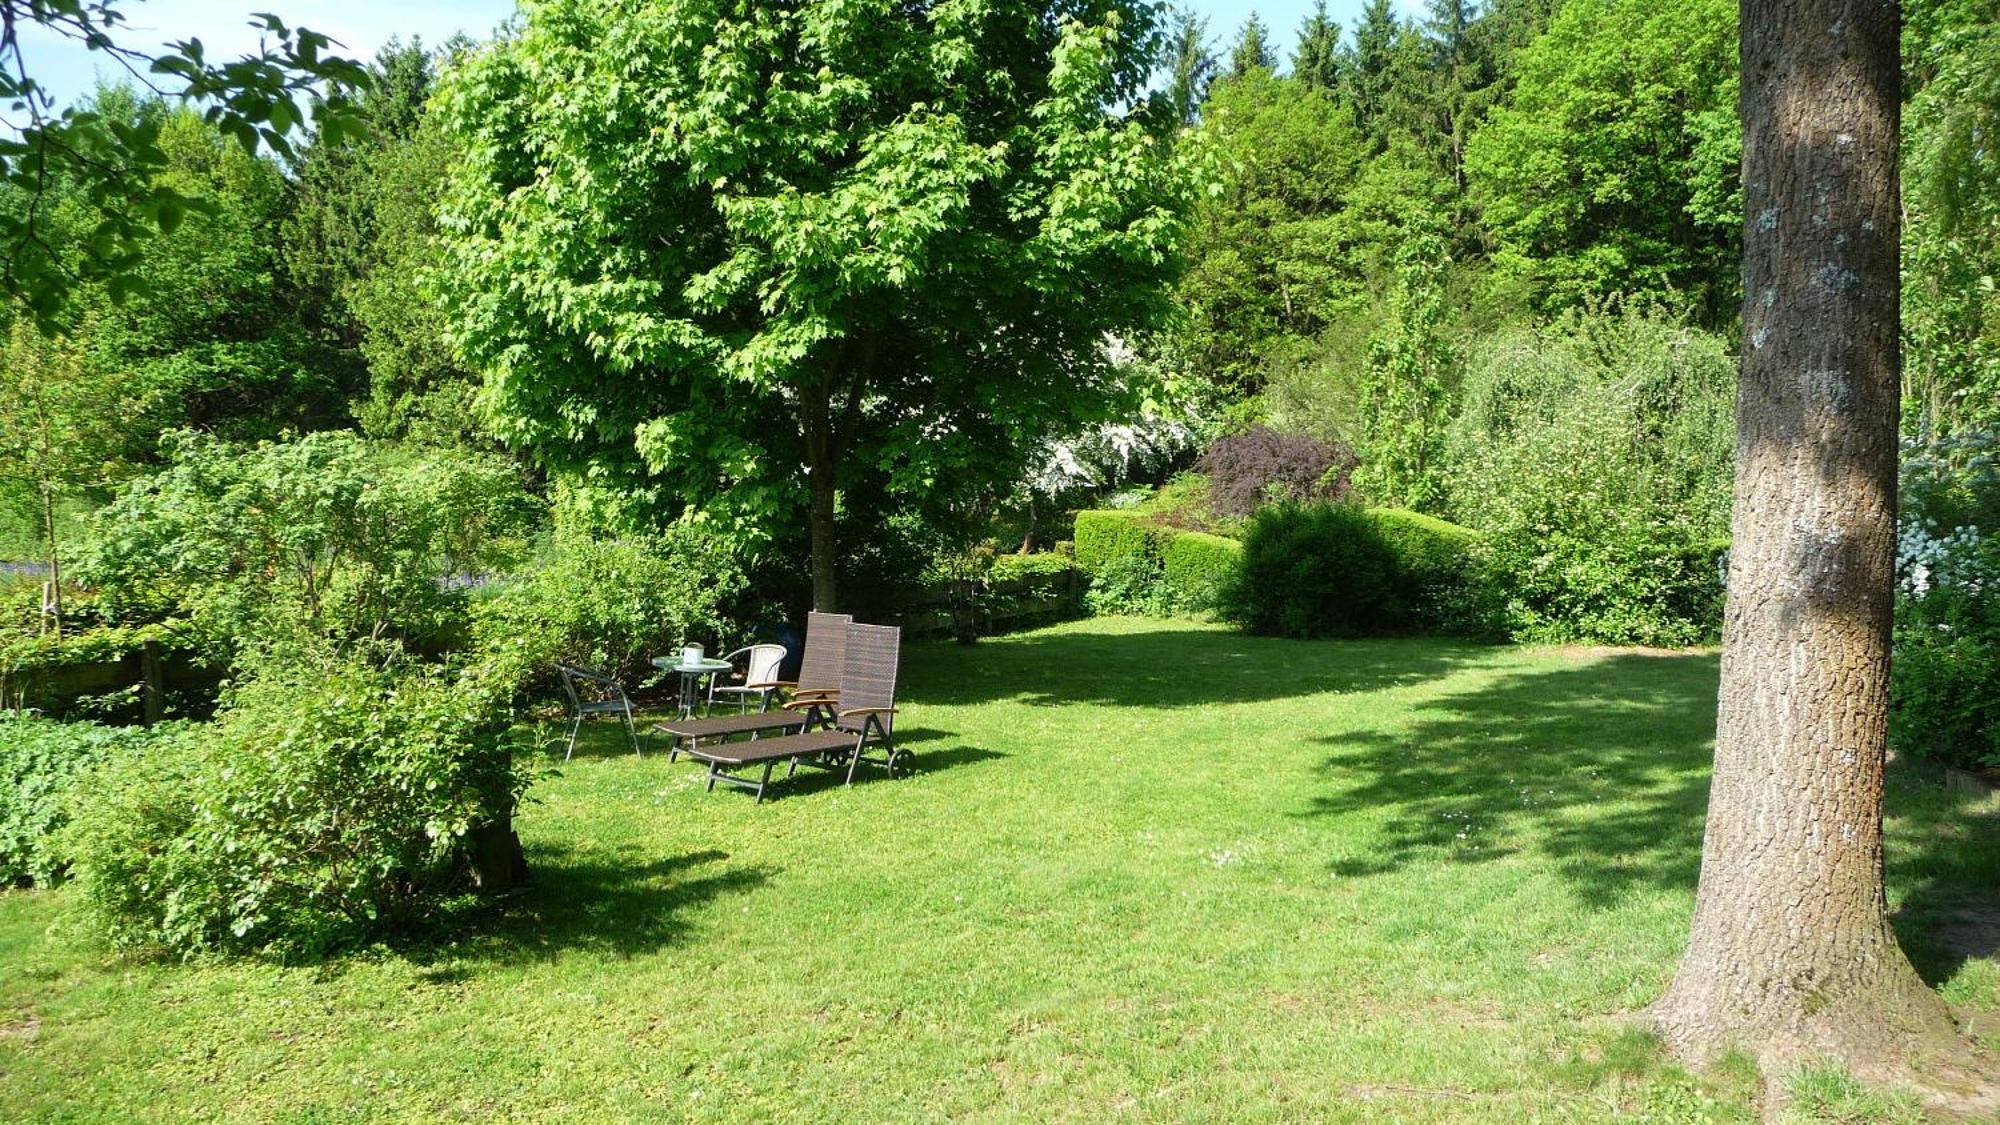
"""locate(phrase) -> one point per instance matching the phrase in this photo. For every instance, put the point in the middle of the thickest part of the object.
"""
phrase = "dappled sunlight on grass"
(1142, 869)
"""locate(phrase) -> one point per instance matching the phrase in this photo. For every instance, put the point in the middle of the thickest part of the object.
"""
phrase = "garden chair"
(813, 696)
(591, 693)
(760, 678)
(864, 718)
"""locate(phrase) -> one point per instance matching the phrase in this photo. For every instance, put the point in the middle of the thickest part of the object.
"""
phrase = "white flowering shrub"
(1945, 678)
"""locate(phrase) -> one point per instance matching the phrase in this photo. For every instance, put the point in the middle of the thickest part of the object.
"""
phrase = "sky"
(363, 26)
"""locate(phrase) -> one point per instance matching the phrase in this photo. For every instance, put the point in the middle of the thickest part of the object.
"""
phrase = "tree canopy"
(110, 164)
(734, 259)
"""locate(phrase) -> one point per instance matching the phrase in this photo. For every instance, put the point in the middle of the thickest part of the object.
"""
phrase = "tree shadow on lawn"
(1603, 767)
(619, 905)
(1169, 667)
(1944, 845)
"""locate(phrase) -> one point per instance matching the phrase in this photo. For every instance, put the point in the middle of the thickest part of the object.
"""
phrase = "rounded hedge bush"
(1322, 570)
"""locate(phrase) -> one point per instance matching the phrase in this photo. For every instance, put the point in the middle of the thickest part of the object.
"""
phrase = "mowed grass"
(1145, 870)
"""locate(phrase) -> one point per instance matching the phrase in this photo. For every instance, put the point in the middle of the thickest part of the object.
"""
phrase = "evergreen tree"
(1449, 28)
(1367, 75)
(1190, 65)
(1317, 61)
(1253, 49)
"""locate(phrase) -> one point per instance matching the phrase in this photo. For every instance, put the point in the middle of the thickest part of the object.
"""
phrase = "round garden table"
(691, 675)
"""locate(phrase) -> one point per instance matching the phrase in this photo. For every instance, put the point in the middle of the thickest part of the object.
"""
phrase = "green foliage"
(1440, 576)
(1105, 538)
(610, 605)
(1198, 567)
(833, 234)
(361, 237)
(1316, 61)
(328, 534)
(1138, 566)
(60, 432)
(1321, 570)
(42, 767)
(1190, 65)
(205, 331)
(1951, 243)
(107, 166)
(1268, 260)
(1033, 589)
(1613, 168)
(1046, 567)
(1252, 51)
(1133, 585)
(1405, 398)
(1945, 680)
(334, 800)
(1595, 456)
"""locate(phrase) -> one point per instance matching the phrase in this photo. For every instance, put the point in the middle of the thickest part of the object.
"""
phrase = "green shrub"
(1199, 567)
(1945, 697)
(1314, 571)
(1130, 584)
(334, 800)
(328, 535)
(1122, 551)
(1944, 683)
(1047, 566)
(1024, 589)
(611, 605)
(1108, 538)
(41, 764)
(1440, 580)
(1594, 456)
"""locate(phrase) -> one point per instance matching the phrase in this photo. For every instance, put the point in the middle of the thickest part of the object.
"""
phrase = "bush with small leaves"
(42, 763)
(335, 800)
(610, 604)
(1318, 570)
(1261, 465)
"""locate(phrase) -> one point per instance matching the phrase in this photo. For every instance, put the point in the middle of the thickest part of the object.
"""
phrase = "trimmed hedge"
(1433, 581)
(1105, 539)
(1442, 583)
(1199, 566)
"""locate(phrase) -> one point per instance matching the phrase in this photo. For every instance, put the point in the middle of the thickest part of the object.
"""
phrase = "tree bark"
(1791, 953)
(55, 598)
(821, 489)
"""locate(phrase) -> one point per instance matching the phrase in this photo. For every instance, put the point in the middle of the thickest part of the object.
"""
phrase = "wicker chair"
(760, 678)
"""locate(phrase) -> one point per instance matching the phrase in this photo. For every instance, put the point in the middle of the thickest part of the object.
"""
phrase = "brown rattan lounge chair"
(865, 717)
(813, 697)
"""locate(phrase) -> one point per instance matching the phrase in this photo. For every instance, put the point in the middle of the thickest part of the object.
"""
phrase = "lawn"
(1146, 869)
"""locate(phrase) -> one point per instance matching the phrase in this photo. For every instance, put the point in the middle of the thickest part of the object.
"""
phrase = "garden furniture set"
(840, 709)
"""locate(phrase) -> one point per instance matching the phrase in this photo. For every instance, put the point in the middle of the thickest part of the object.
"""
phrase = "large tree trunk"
(1791, 952)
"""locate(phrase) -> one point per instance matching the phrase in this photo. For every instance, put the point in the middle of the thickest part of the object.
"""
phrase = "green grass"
(1148, 870)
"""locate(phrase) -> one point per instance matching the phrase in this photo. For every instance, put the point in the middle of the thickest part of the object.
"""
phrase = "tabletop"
(673, 664)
